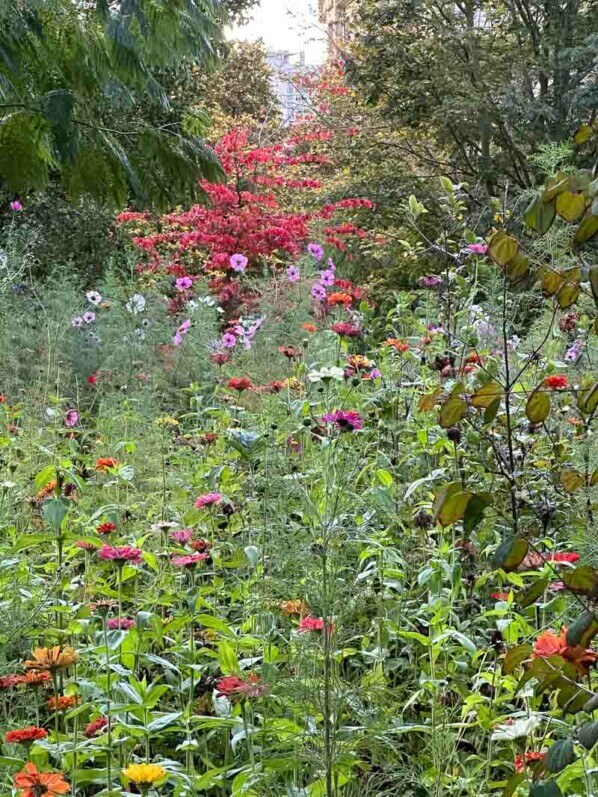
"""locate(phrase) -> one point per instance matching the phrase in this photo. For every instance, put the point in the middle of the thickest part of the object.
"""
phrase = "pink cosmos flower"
(318, 292)
(208, 499)
(76, 321)
(177, 339)
(182, 536)
(89, 317)
(16, 206)
(120, 554)
(120, 623)
(238, 263)
(71, 418)
(228, 340)
(93, 297)
(478, 249)
(183, 284)
(189, 560)
(293, 274)
(331, 265)
(344, 420)
(316, 251)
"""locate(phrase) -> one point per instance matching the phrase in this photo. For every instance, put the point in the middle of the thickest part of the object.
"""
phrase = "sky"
(290, 25)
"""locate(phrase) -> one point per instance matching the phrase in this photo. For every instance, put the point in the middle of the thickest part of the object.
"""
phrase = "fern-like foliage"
(81, 103)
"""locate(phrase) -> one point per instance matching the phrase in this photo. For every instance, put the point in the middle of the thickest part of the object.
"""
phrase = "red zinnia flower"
(556, 382)
(549, 644)
(239, 383)
(289, 351)
(344, 299)
(25, 735)
(63, 702)
(233, 686)
(345, 330)
(309, 327)
(106, 528)
(529, 758)
(500, 596)
(29, 782)
(93, 728)
(219, 358)
(570, 558)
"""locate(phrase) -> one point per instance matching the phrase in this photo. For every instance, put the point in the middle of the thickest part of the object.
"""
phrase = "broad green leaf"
(588, 734)
(450, 504)
(546, 789)
(474, 512)
(582, 580)
(571, 480)
(560, 754)
(452, 411)
(587, 229)
(531, 594)
(510, 553)
(486, 395)
(583, 630)
(570, 206)
(515, 657)
(587, 400)
(54, 510)
(537, 408)
(540, 214)
(502, 248)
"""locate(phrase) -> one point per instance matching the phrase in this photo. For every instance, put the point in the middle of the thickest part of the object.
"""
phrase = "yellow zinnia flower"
(56, 658)
(144, 774)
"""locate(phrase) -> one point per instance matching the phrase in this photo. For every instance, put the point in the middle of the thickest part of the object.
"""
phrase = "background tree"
(484, 83)
(81, 103)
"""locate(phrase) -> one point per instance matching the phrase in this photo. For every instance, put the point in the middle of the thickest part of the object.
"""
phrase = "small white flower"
(517, 729)
(327, 373)
(136, 304)
(93, 297)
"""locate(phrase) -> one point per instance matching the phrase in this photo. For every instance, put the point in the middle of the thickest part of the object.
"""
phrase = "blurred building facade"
(337, 16)
(286, 68)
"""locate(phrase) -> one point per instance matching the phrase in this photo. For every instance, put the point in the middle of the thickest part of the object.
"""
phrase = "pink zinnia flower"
(16, 206)
(345, 420)
(345, 330)
(85, 546)
(71, 418)
(478, 249)
(182, 536)
(238, 262)
(120, 554)
(430, 281)
(208, 499)
(310, 623)
(183, 284)
(189, 560)
(93, 728)
(120, 623)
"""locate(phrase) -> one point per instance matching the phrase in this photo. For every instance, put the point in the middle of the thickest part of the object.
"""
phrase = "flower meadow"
(263, 535)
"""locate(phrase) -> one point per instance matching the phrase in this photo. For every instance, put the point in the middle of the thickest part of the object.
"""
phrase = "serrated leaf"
(571, 480)
(537, 407)
(486, 394)
(582, 580)
(502, 247)
(515, 658)
(452, 411)
(570, 206)
(540, 214)
(510, 553)
(583, 630)
(560, 754)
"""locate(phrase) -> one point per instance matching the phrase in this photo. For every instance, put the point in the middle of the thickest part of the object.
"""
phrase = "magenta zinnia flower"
(120, 554)
(120, 623)
(345, 330)
(208, 499)
(345, 420)
(189, 560)
(430, 281)
(478, 249)
(182, 536)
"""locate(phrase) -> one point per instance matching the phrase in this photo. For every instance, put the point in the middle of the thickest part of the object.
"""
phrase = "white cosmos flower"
(517, 729)
(136, 304)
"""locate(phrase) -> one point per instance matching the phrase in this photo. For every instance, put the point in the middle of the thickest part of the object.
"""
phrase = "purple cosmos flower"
(331, 265)
(183, 284)
(228, 340)
(76, 321)
(574, 352)
(238, 262)
(16, 206)
(89, 317)
(71, 417)
(327, 277)
(185, 326)
(177, 339)
(293, 274)
(318, 292)
(316, 251)
(478, 249)
(430, 281)
(94, 297)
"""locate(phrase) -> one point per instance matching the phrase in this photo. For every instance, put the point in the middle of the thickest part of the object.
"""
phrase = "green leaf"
(582, 580)
(510, 553)
(531, 594)
(588, 734)
(45, 476)
(587, 229)
(560, 754)
(502, 248)
(474, 512)
(583, 630)
(570, 206)
(546, 789)
(537, 408)
(227, 658)
(540, 215)
(214, 622)
(452, 411)
(486, 395)
(163, 721)
(587, 400)
(515, 657)
(450, 504)
(571, 480)
(54, 510)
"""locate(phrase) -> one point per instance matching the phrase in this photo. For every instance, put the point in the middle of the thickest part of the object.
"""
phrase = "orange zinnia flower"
(47, 489)
(397, 344)
(294, 607)
(309, 327)
(344, 299)
(549, 644)
(34, 678)
(63, 702)
(104, 463)
(56, 658)
(31, 783)
(25, 735)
